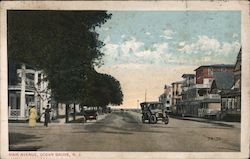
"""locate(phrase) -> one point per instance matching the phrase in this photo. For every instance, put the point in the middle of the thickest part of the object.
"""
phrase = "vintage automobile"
(90, 115)
(153, 112)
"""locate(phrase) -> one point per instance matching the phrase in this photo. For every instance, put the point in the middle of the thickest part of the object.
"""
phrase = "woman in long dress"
(32, 117)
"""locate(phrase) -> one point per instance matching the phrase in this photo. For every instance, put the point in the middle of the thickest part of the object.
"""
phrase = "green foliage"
(104, 89)
(65, 46)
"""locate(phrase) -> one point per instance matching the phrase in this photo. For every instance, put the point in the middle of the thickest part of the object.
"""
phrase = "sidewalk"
(61, 121)
(221, 123)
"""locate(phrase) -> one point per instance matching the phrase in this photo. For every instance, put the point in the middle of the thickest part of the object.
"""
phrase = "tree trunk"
(67, 113)
(57, 110)
(74, 115)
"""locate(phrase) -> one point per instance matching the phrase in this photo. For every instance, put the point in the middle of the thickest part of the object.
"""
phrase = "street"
(123, 131)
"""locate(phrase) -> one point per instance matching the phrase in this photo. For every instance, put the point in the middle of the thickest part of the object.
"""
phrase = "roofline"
(217, 66)
(186, 74)
(178, 82)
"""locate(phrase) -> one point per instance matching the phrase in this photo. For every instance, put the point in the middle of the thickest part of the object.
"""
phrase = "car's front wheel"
(166, 120)
(153, 119)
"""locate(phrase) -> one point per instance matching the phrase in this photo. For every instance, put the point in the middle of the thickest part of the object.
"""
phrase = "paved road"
(123, 131)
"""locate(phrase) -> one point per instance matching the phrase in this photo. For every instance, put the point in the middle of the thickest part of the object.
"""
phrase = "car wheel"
(153, 119)
(166, 120)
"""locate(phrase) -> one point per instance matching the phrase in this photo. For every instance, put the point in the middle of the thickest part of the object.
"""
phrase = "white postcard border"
(242, 6)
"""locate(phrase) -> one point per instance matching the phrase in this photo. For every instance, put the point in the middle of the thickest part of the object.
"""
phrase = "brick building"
(204, 74)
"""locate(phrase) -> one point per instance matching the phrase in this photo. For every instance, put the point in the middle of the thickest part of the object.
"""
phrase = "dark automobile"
(90, 115)
(154, 111)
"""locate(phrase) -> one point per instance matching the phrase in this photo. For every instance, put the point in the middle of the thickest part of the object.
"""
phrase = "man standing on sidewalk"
(47, 116)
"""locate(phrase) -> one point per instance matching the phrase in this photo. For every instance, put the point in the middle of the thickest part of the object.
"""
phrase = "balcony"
(17, 87)
(197, 86)
(208, 96)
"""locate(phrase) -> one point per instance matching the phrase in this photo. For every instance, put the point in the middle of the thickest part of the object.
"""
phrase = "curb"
(204, 121)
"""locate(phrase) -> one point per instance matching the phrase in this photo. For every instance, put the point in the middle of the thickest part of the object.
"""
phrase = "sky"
(145, 50)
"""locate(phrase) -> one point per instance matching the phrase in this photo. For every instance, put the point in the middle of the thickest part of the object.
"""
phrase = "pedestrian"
(47, 116)
(32, 117)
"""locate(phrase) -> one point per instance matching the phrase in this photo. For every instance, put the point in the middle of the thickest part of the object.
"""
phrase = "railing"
(18, 87)
(14, 113)
(200, 86)
(208, 96)
(213, 96)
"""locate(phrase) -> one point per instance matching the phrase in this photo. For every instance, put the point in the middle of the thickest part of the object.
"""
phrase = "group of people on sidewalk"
(33, 116)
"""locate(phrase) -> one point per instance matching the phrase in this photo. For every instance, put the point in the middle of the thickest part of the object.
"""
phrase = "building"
(231, 100)
(204, 73)
(189, 81)
(26, 87)
(165, 98)
(222, 82)
(176, 95)
(197, 98)
(187, 94)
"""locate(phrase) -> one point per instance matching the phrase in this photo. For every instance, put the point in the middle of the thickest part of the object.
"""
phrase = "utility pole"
(138, 106)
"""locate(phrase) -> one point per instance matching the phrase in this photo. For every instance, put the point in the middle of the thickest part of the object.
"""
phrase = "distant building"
(189, 81)
(176, 95)
(222, 82)
(231, 100)
(165, 98)
(187, 93)
(205, 73)
(198, 100)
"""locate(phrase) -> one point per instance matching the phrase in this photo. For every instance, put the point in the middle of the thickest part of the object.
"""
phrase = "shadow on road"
(15, 138)
(25, 148)
(128, 125)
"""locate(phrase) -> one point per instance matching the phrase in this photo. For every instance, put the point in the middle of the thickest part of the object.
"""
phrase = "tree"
(104, 90)
(61, 43)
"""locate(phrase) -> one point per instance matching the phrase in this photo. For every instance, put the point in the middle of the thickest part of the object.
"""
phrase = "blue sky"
(163, 37)
(145, 50)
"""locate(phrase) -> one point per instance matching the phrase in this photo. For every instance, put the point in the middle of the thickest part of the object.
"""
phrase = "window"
(17, 102)
(210, 71)
(11, 102)
(229, 104)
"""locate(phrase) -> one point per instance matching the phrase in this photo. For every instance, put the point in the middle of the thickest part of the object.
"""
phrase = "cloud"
(207, 46)
(123, 36)
(235, 35)
(130, 46)
(204, 50)
(208, 50)
(168, 34)
(182, 43)
(160, 47)
(107, 39)
(110, 49)
(228, 48)
(133, 51)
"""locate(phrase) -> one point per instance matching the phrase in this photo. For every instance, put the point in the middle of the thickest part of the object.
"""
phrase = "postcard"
(124, 79)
